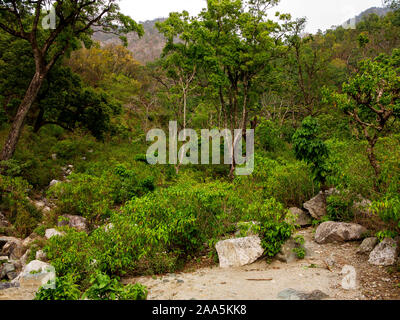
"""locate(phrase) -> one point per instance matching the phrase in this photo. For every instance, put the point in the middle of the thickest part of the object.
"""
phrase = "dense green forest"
(74, 117)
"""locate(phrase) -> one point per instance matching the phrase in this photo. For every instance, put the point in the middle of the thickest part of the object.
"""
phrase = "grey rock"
(12, 275)
(331, 260)
(11, 247)
(316, 206)
(331, 192)
(239, 252)
(367, 245)
(75, 222)
(41, 255)
(385, 253)
(39, 204)
(9, 285)
(291, 294)
(5, 269)
(3, 221)
(24, 259)
(330, 231)
(302, 218)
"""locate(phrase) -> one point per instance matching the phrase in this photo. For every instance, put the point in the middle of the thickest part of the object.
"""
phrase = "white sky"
(321, 14)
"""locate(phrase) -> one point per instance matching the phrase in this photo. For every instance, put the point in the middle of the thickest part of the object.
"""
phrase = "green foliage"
(382, 235)
(153, 233)
(288, 181)
(16, 206)
(269, 136)
(340, 207)
(94, 196)
(105, 288)
(300, 251)
(310, 148)
(388, 209)
(274, 231)
(66, 289)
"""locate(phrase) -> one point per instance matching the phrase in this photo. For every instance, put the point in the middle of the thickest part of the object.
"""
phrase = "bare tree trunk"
(15, 132)
(374, 163)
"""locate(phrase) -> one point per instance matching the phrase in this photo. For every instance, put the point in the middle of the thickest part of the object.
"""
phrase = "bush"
(289, 182)
(105, 288)
(15, 204)
(340, 207)
(388, 210)
(269, 136)
(155, 233)
(66, 289)
(84, 195)
(310, 148)
(273, 229)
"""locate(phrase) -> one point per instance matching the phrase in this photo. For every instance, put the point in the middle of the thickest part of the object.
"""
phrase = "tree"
(65, 101)
(372, 99)
(75, 22)
(236, 43)
(180, 59)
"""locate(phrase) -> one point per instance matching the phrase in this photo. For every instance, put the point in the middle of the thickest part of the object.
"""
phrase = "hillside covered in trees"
(77, 191)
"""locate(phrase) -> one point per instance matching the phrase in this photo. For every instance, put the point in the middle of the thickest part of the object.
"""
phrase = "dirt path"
(264, 281)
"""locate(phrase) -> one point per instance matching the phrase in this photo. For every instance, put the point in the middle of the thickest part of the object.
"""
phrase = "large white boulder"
(330, 231)
(37, 273)
(385, 253)
(239, 252)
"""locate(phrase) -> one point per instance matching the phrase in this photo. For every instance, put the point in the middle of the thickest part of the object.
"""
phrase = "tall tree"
(372, 99)
(75, 20)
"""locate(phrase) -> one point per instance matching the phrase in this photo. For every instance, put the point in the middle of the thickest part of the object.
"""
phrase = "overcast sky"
(321, 14)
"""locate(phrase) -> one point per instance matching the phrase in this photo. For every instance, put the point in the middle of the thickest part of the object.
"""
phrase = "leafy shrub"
(84, 195)
(268, 136)
(289, 182)
(105, 288)
(340, 207)
(72, 148)
(66, 289)
(299, 250)
(388, 210)
(273, 229)
(15, 204)
(150, 234)
(310, 148)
